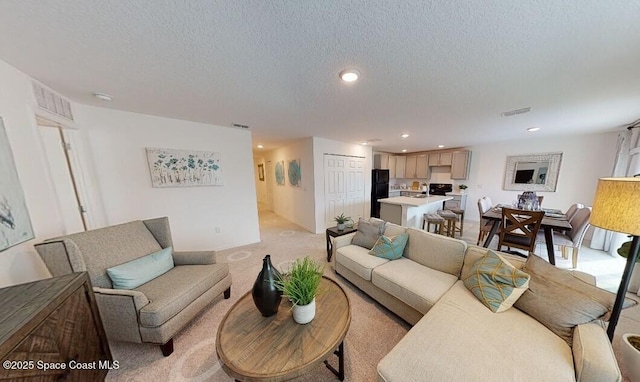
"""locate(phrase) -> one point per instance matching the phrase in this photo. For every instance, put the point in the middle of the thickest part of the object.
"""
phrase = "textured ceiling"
(442, 71)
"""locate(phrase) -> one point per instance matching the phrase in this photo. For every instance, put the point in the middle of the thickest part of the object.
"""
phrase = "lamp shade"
(617, 205)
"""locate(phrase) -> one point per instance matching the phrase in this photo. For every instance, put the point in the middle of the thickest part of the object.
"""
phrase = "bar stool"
(451, 219)
(436, 220)
(460, 214)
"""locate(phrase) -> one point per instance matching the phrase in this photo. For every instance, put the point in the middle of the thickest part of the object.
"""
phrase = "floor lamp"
(617, 208)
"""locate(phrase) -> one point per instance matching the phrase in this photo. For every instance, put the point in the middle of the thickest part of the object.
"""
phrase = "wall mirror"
(534, 172)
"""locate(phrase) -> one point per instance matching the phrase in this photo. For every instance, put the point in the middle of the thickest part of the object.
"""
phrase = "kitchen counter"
(457, 193)
(408, 211)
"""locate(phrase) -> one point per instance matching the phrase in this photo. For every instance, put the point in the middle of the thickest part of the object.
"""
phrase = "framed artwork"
(261, 172)
(184, 168)
(294, 173)
(280, 173)
(15, 224)
(532, 172)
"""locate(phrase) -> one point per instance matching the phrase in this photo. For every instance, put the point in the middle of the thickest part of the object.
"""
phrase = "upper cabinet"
(440, 159)
(460, 163)
(381, 161)
(422, 166)
(410, 167)
(401, 163)
(392, 166)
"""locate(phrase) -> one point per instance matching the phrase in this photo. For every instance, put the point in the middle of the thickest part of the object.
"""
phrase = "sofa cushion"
(559, 300)
(170, 293)
(496, 283)
(136, 272)
(435, 251)
(358, 260)
(368, 233)
(390, 247)
(461, 340)
(391, 229)
(416, 285)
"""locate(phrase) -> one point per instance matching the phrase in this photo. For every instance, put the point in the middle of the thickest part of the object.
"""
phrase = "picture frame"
(261, 172)
(532, 172)
(184, 168)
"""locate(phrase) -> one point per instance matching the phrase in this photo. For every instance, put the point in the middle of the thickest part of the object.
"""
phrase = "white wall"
(585, 158)
(20, 264)
(118, 140)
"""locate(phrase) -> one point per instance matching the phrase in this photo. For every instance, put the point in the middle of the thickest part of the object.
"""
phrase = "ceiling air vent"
(52, 102)
(514, 112)
(240, 126)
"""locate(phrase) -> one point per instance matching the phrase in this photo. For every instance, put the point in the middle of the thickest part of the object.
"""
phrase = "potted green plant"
(300, 286)
(462, 187)
(341, 220)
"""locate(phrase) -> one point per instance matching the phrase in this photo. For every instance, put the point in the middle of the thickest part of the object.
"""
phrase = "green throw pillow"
(136, 272)
(496, 283)
(390, 247)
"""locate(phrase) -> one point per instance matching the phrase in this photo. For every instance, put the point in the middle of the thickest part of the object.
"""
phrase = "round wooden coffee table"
(255, 348)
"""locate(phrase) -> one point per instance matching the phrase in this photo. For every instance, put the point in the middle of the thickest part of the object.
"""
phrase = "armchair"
(154, 311)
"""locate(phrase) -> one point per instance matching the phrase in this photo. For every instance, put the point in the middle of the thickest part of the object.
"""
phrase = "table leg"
(340, 353)
(548, 238)
(329, 246)
(492, 233)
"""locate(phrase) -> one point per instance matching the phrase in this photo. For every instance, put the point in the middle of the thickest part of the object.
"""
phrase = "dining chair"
(572, 238)
(519, 229)
(484, 205)
(573, 209)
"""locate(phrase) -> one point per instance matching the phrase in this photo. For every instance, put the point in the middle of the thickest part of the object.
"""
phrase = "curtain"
(627, 163)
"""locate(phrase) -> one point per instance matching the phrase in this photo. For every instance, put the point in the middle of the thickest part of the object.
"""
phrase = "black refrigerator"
(379, 190)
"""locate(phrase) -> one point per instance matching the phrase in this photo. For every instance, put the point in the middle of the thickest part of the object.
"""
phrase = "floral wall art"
(184, 168)
(279, 170)
(15, 225)
(294, 173)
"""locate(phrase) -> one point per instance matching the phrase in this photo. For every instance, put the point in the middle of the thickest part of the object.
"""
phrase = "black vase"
(265, 294)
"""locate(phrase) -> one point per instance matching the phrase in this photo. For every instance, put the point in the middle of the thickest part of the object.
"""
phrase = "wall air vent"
(52, 102)
(239, 126)
(514, 112)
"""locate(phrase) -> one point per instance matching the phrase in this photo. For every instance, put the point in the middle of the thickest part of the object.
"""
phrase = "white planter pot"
(303, 314)
(631, 358)
(341, 226)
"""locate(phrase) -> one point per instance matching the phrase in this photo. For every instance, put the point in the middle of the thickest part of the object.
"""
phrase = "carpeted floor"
(372, 334)
(374, 331)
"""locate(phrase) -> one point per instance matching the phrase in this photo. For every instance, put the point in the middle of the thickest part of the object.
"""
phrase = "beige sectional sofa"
(455, 337)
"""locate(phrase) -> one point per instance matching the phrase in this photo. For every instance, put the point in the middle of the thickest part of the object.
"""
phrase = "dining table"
(553, 219)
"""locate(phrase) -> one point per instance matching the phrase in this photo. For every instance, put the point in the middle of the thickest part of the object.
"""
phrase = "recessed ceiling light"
(349, 75)
(260, 146)
(533, 129)
(440, 146)
(405, 135)
(365, 143)
(103, 96)
(404, 150)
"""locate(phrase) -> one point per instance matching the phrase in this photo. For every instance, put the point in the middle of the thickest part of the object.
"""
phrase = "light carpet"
(372, 334)
(374, 331)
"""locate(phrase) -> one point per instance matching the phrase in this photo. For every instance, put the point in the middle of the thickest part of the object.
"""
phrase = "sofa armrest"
(119, 312)
(138, 298)
(593, 356)
(341, 241)
(194, 257)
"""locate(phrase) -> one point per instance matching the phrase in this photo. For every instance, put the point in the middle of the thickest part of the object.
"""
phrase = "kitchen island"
(407, 211)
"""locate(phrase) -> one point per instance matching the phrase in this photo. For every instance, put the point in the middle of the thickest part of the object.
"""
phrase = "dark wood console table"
(333, 232)
(50, 330)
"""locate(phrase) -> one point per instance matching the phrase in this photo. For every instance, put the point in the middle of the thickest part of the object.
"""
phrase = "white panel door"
(354, 205)
(344, 188)
(61, 178)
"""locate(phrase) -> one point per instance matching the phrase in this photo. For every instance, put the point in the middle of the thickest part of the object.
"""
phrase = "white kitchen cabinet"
(392, 166)
(422, 166)
(460, 164)
(440, 159)
(410, 166)
(401, 163)
(459, 201)
(394, 193)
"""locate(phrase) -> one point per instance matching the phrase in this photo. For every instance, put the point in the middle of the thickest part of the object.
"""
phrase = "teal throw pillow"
(134, 273)
(496, 283)
(390, 247)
